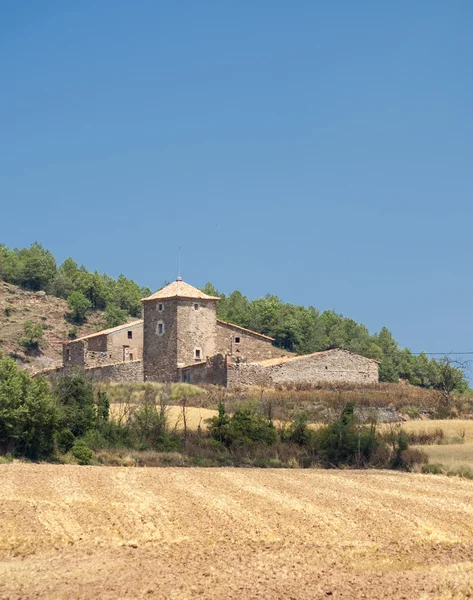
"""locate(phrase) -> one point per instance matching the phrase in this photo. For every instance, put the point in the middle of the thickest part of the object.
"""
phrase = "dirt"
(103, 532)
(18, 306)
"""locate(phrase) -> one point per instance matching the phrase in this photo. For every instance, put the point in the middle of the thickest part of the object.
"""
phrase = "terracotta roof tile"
(180, 289)
(272, 362)
(266, 337)
(107, 331)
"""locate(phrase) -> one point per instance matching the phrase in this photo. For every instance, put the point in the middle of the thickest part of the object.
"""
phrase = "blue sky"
(320, 151)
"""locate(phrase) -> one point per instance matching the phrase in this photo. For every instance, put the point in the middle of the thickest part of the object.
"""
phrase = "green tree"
(39, 267)
(28, 414)
(114, 315)
(79, 306)
(75, 397)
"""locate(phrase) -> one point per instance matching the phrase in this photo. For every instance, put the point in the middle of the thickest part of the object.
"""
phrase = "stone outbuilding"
(116, 345)
(180, 338)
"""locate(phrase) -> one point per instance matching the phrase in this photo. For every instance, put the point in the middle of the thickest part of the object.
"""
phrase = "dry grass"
(18, 306)
(195, 417)
(452, 456)
(98, 532)
(459, 428)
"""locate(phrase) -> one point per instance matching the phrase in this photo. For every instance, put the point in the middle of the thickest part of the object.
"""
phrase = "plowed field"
(103, 532)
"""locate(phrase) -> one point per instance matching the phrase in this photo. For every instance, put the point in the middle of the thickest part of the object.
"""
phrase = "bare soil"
(102, 532)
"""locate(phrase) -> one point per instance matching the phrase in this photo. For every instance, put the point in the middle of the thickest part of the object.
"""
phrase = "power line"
(442, 353)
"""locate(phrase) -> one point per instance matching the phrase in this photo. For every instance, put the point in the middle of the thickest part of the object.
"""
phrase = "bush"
(33, 336)
(82, 453)
(346, 442)
(412, 457)
(246, 426)
(432, 469)
(65, 440)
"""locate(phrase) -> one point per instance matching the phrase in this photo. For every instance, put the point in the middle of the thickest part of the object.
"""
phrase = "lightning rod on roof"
(179, 278)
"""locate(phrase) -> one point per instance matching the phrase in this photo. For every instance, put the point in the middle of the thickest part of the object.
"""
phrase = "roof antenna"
(179, 278)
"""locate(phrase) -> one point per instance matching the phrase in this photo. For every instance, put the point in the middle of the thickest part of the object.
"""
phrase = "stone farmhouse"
(180, 338)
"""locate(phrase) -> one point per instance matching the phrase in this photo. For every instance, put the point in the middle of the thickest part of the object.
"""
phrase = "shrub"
(33, 336)
(346, 442)
(65, 440)
(432, 469)
(246, 426)
(299, 433)
(82, 453)
(412, 457)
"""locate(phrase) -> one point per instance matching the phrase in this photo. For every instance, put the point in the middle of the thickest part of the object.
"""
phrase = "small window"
(197, 354)
(131, 356)
(196, 306)
(130, 335)
(160, 307)
(160, 328)
(237, 340)
(68, 354)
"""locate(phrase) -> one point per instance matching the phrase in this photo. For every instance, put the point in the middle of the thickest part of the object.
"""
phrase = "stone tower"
(180, 329)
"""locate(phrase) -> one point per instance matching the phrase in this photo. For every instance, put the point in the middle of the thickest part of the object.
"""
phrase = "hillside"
(301, 329)
(85, 532)
(18, 306)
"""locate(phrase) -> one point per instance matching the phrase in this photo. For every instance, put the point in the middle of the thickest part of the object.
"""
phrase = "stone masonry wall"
(332, 366)
(131, 371)
(248, 374)
(97, 343)
(160, 350)
(96, 359)
(196, 330)
(252, 346)
(211, 372)
(73, 354)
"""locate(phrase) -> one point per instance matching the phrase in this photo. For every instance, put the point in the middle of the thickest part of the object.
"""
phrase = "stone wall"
(97, 343)
(211, 372)
(96, 359)
(73, 354)
(131, 371)
(160, 350)
(242, 373)
(245, 344)
(196, 331)
(331, 366)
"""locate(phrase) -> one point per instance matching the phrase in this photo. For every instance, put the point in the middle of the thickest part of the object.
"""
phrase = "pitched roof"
(272, 362)
(266, 337)
(107, 331)
(180, 289)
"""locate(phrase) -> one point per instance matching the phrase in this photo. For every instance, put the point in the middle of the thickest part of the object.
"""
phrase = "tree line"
(296, 328)
(35, 269)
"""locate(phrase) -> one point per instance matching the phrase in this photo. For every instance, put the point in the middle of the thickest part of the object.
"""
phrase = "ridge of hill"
(17, 306)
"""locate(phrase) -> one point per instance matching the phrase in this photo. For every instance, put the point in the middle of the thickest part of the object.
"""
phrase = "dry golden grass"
(451, 427)
(451, 456)
(102, 532)
(194, 416)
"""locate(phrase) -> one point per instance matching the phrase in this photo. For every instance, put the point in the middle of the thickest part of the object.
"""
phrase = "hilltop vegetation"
(296, 328)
